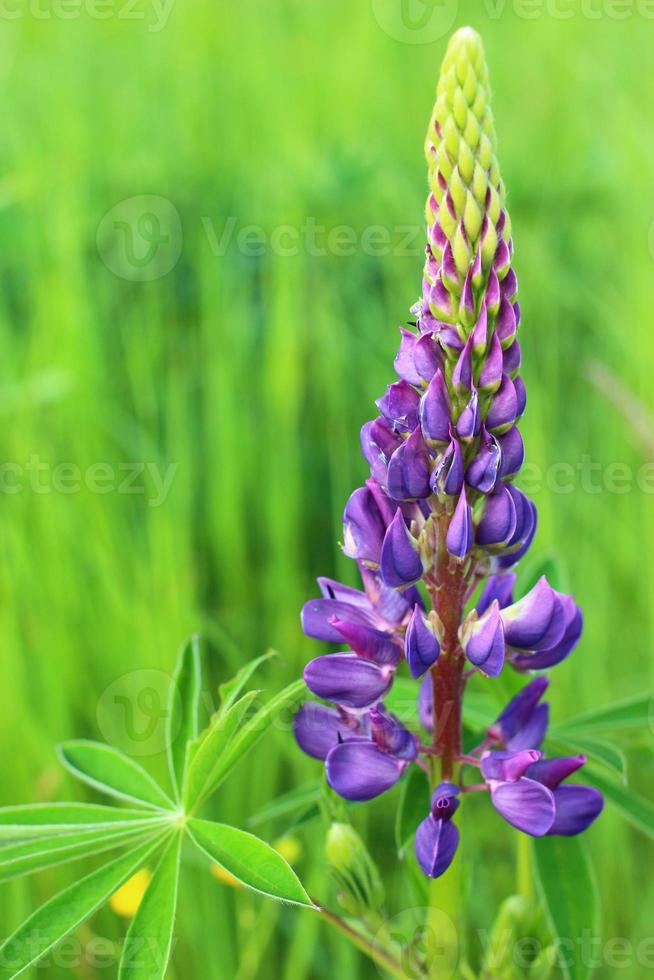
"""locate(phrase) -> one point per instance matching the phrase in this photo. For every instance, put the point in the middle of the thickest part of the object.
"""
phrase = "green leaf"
(47, 819)
(634, 712)
(634, 808)
(150, 936)
(597, 750)
(255, 863)
(230, 690)
(570, 896)
(67, 910)
(111, 772)
(207, 754)
(182, 718)
(412, 809)
(34, 855)
(297, 801)
(252, 731)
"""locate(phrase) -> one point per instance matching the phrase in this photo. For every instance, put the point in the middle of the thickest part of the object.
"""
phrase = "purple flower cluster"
(439, 514)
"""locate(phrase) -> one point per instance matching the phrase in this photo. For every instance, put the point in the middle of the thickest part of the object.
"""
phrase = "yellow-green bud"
(360, 889)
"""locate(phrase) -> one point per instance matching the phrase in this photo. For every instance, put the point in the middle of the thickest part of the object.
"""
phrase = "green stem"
(377, 953)
(524, 870)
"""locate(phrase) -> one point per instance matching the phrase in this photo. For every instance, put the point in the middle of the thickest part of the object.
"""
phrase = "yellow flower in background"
(222, 875)
(290, 848)
(127, 899)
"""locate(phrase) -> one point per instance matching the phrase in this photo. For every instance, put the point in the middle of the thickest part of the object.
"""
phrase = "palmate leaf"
(183, 706)
(570, 896)
(112, 772)
(150, 936)
(253, 862)
(68, 909)
(248, 735)
(28, 857)
(230, 690)
(47, 819)
(206, 756)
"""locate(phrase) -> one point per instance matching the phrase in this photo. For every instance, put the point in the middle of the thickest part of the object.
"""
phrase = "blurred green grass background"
(251, 374)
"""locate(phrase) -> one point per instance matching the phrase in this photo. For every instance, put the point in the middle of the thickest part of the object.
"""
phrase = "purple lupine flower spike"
(441, 513)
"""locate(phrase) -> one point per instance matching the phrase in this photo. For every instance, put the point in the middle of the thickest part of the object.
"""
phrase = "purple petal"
(440, 301)
(444, 801)
(480, 332)
(371, 644)
(507, 324)
(527, 621)
(521, 395)
(400, 562)
(469, 422)
(513, 452)
(483, 640)
(525, 804)
(498, 520)
(490, 375)
(317, 616)
(523, 723)
(331, 589)
(347, 679)
(400, 406)
(447, 476)
(493, 293)
(319, 728)
(421, 647)
(548, 658)
(358, 770)
(498, 587)
(363, 526)
(426, 703)
(436, 843)
(512, 358)
(409, 470)
(404, 361)
(435, 410)
(390, 735)
(505, 767)
(460, 533)
(427, 357)
(378, 443)
(503, 409)
(576, 809)
(462, 374)
(551, 772)
(483, 470)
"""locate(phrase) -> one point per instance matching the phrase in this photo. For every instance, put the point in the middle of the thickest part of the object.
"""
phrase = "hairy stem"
(381, 956)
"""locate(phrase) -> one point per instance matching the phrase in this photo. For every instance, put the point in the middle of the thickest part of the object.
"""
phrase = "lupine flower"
(437, 838)
(441, 508)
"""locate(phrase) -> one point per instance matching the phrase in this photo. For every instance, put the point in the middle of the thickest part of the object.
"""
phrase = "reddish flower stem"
(448, 585)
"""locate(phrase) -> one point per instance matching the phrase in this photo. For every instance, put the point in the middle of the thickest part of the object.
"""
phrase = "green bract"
(150, 830)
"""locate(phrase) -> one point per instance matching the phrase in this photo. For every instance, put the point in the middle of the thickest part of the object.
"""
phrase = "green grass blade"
(207, 755)
(597, 750)
(569, 892)
(149, 939)
(296, 801)
(634, 808)
(112, 772)
(255, 863)
(67, 910)
(46, 819)
(634, 712)
(413, 807)
(182, 718)
(32, 856)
